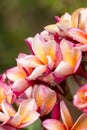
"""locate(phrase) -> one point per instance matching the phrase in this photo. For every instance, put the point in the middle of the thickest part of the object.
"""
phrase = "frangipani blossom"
(46, 56)
(72, 26)
(76, 20)
(25, 115)
(53, 56)
(71, 59)
(67, 121)
(80, 98)
(45, 98)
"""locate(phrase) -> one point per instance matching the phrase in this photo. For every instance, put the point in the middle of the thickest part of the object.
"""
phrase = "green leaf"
(35, 126)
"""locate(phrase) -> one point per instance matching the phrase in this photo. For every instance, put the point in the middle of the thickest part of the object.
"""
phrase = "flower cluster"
(39, 86)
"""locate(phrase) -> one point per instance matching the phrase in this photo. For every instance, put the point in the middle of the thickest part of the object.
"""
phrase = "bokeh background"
(20, 19)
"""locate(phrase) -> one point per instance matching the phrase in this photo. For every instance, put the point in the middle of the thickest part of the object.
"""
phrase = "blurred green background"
(20, 19)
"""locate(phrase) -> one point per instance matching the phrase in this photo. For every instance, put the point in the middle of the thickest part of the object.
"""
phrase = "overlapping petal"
(52, 124)
(67, 124)
(65, 115)
(25, 115)
(71, 59)
(81, 123)
(42, 95)
(78, 35)
(15, 73)
(3, 88)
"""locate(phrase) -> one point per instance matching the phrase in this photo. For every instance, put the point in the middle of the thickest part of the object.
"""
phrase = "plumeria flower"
(42, 95)
(45, 98)
(46, 56)
(79, 31)
(42, 61)
(67, 121)
(25, 115)
(52, 56)
(73, 26)
(61, 26)
(71, 59)
(80, 98)
(76, 20)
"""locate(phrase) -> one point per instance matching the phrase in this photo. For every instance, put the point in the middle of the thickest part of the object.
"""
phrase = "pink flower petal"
(8, 109)
(15, 73)
(38, 48)
(7, 127)
(26, 114)
(63, 69)
(78, 35)
(52, 28)
(19, 86)
(38, 71)
(29, 42)
(3, 117)
(81, 123)
(29, 61)
(52, 124)
(65, 115)
(42, 95)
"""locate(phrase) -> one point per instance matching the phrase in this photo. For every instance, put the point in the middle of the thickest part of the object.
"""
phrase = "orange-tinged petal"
(66, 51)
(38, 48)
(26, 114)
(79, 19)
(19, 86)
(52, 124)
(63, 69)
(50, 103)
(63, 26)
(70, 54)
(76, 57)
(81, 123)
(50, 49)
(3, 117)
(66, 17)
(15, 121)
(52, 28)
(38, 71)
(7, 108)
(65, 115)
(29, 61)
(42, 95)
(75, 17)
(38, 93)
(78, 35)
(3, 90)
(15, 73)
(2, 95)
(32, 116)
(46, 35)
(26, 106)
